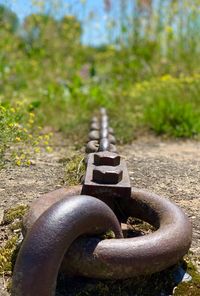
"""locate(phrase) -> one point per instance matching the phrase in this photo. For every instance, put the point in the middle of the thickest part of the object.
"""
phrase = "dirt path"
(20, 185)
(169, 168)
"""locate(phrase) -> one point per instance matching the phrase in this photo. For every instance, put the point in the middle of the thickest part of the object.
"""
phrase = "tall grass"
(146, 73)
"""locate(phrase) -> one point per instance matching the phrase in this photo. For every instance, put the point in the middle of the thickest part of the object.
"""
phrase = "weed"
(12, 214)
(12, 222)
(75, 169)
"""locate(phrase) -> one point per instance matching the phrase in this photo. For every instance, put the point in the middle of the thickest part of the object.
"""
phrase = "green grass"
(146, 84)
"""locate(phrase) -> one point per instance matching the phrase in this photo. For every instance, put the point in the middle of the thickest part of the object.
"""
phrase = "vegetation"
(147, 74)
(75, 169)
(12, 225)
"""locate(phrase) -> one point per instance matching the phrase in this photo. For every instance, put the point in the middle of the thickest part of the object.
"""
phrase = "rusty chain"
(101, 136)
(57, 219)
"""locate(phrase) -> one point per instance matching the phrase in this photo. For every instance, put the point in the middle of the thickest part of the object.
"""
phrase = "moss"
(109, 234)
(75, 169)
(12, 221)
(6, 255)
(14, 213)
(192, 287)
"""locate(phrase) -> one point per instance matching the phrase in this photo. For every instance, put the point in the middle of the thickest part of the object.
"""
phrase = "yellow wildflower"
(32, 114)
(28, 162)
(169, 29)
(18, 162)
(12, 110)
(31, 121)
(166, 77)
(49, 149)
(3, 109)
(37, 150)
(19, 103)
(18, 139)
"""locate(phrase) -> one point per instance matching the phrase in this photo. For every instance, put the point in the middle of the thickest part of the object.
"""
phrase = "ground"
(167, 167)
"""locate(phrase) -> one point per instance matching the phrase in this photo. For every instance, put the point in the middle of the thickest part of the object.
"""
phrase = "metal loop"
(126, 258)
(92, 146)
(43, 249)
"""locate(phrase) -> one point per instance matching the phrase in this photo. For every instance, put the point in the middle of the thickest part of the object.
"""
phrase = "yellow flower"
(166, 77)
(30, 136)
(28, 162)
(32, 114)
(46, 137)
(12, 110)
(11, 125)
(18, 162)
(49, 149)
(169, 29)
(46, 143)
(37, 150)
(23, 156)
(31, 121)
(18, 139)
(3, 109)
(19, 103)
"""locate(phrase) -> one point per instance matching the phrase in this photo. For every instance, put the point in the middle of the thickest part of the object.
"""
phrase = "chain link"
(101, 135)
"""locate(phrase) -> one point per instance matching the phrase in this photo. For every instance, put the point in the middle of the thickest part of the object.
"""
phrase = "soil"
(166, 167)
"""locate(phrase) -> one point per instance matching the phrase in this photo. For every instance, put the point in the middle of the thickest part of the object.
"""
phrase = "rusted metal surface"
(49, 238)
(105, 158)
(130, 257)
(126, 258)
(41, 204)
(108, 180)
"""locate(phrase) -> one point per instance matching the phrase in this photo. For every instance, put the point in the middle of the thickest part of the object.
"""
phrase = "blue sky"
(92, 14)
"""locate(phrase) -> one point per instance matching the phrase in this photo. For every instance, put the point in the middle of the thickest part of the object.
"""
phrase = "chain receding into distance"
(101, 136)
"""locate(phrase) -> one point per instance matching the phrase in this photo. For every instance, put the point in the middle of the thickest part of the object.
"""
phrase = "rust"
(117, 186)
(105, 175)
(48, 239)
(106, 158)
(126, 258)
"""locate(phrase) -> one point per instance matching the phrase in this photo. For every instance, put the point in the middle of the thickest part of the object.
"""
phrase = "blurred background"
(61, 60)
